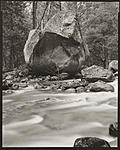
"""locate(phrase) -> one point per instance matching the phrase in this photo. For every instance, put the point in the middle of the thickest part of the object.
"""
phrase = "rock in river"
(80, 89)
(113, 129)
(70, 90)
(100, 86)
(95, 73)
(90, 142)
(113, 66)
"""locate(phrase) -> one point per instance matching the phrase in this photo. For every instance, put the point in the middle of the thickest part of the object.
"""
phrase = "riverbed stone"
(100, 86)
(90, 142)
(15, 87)
(5, 85)
(80, 89)
(70, 90)
(64, 76)
(9, 77)
(95, 73)
(23, 85)
(113, 129)
(37, 86)
(113, 66)
(54, 78)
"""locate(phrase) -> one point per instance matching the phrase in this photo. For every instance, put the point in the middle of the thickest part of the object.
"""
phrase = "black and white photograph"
(59, 73)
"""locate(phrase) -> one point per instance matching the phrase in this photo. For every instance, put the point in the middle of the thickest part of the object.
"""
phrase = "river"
(33, 118)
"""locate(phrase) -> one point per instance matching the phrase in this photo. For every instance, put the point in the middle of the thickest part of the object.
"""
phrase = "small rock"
(54, 78)
(9, 77)
(15, 87)
(113, 66)
(5, 86)
(59, 90)
(80, 89)
(21, 74)
(64, 76)
(70, 90)
(16, 79)
(24, 80)
(90, 142)
(37, 86)
(47, 78)
(23, 85)
(116, 73)
(29, 77)
(113, 129)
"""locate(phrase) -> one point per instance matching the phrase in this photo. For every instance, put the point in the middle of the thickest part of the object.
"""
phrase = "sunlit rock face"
(57, 48)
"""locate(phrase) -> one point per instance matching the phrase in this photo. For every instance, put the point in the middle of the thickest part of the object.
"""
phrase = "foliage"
(102, 32)
(15, 28)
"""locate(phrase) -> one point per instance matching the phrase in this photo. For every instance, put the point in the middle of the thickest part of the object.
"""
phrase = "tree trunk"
(60, 5)
(34, 14)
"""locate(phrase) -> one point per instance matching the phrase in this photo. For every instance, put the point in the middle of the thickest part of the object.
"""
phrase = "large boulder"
(100, 86)
(57, 48)
(90, 142)
(113, 66)
(95, 73)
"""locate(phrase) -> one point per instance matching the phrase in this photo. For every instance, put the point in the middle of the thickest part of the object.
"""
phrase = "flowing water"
(32, 118)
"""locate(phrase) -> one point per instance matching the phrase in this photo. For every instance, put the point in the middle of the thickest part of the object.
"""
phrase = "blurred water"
(32, 118)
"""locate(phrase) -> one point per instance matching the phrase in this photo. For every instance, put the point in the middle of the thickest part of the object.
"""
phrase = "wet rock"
(90, 142)
(24, 80)
(9, 77)
(59, 90)
(95, 73)
(116, 73)
(70, 90)
(113, 129)
(10, 83)
(21, 74)
(65, 86)
(47, 78)
(113, 66)
(30, 77)
(5, 86)
(64, 76)
(54, 78)
(37, 86)
(23, 85)
(75, 84)
(80, 89)
(84, 82)
(15, 87)
(100, 86)
(16, 79)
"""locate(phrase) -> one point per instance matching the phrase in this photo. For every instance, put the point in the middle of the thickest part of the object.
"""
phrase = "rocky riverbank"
(92, 78)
